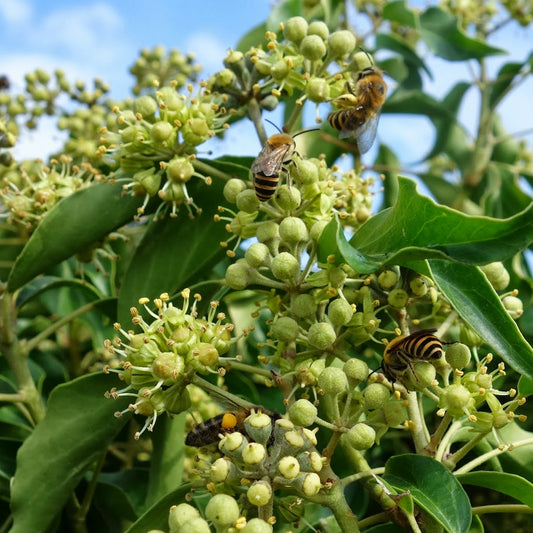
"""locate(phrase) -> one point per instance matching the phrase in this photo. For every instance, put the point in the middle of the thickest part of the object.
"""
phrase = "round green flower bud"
(267, 231)
(317, 90)
(258, 427)
(285, 267)
(293, 439)
(232, 188)
(247, 201)
(253, 453)
(356, 370)
(232, 57)
(311, 484)
(279, 70)
(232, 442)
(196, 525)
(179, 514)
(257, 525)
(257, 255)
(146, 106)
(317, 27)
(302, 413)
(484, 381)
(195, 131)
(293, 230)
(398, 298)
(362, 60)
(295, 29)
(307, 171)
(418, 286)
(289, 467)
(163, 132)
(310, 461)
(469, 337)
(285, 329)
(425, 375)
(222, 510)
(500, 419)
(238, 276)
(313, 47)
(269, 102)
(219, 470)
(259, 494)
(514, 306)
(304, 306)
(337, 276)
(456, 400)
(224, 77)
(376, 396)
(205, 353)
(340, 312)
(341, 44)
(332, 380)
(288, 198)
(361, 436)
(168, 366)
(394, 414)
(179, 170)
(458, 355)
(497, 275)
(321, 335)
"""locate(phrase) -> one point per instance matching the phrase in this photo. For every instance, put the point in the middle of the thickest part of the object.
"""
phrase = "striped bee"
(402, 352)
(267, 166)
(360, 107)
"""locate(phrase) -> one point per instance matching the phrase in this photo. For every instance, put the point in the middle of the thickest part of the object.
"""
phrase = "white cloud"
(15, 11)
(208, 50)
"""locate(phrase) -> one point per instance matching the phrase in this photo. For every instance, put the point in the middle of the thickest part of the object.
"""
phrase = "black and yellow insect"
(359, 108)
(233, 419)
(267, 166)
(402, 352)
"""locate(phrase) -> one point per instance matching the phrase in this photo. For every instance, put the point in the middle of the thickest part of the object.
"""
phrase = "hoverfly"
(267, 166)
(208, 432)
(402, 352)
(359, 108)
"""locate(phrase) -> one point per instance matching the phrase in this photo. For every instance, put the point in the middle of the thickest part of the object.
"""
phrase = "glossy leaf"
(395, 44)
(281, 12)
(510, 484)
(399, 12)
(433, 487)
(255, 37)
(415, 102)
(506, 76)
(440, 31)
(157, 516)
(75, 223)
(173, 252)
(525, 386)
(417, 228)
(470, 293)
(78, 426)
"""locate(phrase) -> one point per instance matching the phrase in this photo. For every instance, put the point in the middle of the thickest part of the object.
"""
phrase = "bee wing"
(366, 133)
(270, 160)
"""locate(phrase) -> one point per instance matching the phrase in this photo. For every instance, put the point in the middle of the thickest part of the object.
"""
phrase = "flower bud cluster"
(158, 363)
(299, 62)
(30, 189)
(270, 455)
(156, 136)
(157, 65)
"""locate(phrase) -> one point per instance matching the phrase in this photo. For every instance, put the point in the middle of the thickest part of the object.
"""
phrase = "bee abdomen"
(265, 186)
(206, 432)
(425, 347)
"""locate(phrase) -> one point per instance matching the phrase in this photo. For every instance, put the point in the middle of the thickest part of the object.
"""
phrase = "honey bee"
(359, 108)
(267, 166)
(402, 352)
(208, 432)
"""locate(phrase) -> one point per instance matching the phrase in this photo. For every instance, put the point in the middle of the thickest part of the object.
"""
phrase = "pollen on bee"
(229, 421)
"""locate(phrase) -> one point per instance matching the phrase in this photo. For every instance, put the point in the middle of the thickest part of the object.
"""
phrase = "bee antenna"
(305, 131)
(275, 125)
(370, 58)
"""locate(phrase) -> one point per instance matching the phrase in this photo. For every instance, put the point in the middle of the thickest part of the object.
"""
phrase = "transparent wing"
(270, 160)
(366, 133)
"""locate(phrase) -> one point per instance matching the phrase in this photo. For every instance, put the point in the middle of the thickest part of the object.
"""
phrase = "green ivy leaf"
(173, 252)
(78, 426)
(75, 223)
(399, 12)
(393, 43)
(510, 484)
(418, 228)
(440, 31)
(433, 487)
(506, 76)
(473, 297)
(254, 38)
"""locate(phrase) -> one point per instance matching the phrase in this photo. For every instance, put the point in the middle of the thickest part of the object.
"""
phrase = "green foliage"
(128, 254)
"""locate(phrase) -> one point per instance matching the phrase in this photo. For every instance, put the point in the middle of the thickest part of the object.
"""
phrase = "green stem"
(513, 508)
(89, 493)
(207, 170)
(439, 433)
(243, 367)
(16, 356)
(254, 112)
(295, 115)
(419, 430)
(451, 461)
(35, 341)
(219, 393)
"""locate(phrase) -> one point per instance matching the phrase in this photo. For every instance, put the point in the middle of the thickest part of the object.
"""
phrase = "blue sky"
(103, 37)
